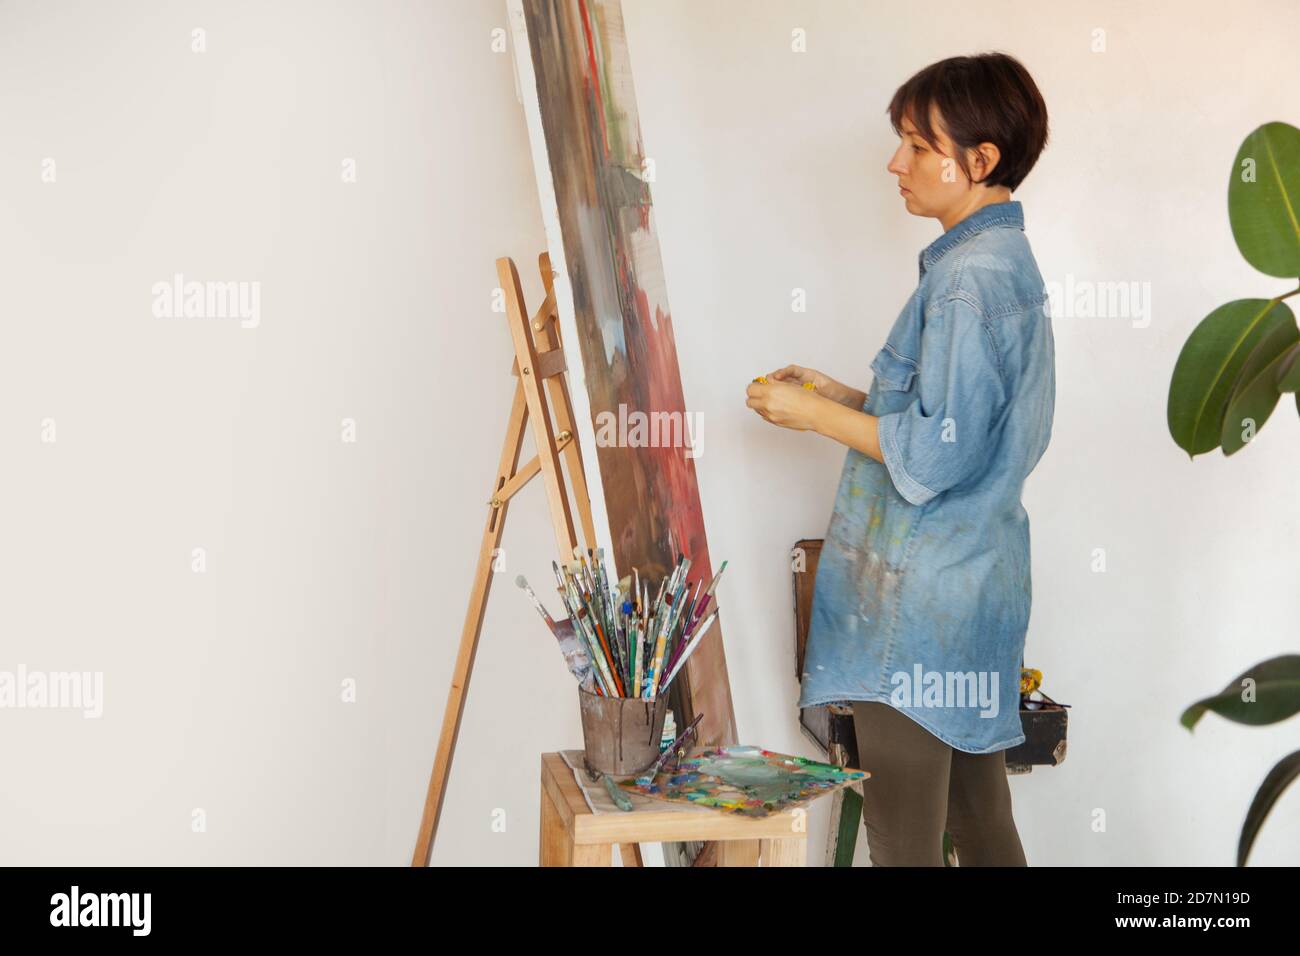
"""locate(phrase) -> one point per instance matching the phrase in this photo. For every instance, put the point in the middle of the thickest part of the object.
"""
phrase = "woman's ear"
(983, 160)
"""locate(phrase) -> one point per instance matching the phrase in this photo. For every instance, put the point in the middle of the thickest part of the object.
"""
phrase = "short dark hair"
(988, 98)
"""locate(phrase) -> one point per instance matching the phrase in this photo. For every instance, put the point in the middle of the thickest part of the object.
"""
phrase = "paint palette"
(747, 780)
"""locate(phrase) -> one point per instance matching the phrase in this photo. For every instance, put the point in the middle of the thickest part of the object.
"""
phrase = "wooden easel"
(538, 363)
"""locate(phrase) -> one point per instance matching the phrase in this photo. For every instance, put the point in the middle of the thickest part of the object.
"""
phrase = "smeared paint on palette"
(575, 81)
(747, 780)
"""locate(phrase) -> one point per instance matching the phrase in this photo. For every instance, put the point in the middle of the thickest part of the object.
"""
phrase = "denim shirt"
(922, 592)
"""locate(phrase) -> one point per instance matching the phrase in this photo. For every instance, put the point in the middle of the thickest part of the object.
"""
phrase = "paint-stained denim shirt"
(922, 593)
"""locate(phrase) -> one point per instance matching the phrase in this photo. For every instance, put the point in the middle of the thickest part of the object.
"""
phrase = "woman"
(922, 595)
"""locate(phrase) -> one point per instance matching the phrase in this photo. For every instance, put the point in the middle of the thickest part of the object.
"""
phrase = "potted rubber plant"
(1230, 375)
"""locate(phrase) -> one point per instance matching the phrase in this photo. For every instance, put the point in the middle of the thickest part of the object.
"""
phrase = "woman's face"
(931, 183)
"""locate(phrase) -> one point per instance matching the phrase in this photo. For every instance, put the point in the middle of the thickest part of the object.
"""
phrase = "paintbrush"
(592, 602)
(618, 796)
(607, 611)
(690, 610)
(684, 631)
(579, 615)
(592, 607)
(648, 777)
(626, 605)
(586, 580)
(669, 622)
(675, 646)
(522, 583)
(677, 605)
(611, 665)
(694, 616)
(704, 601)
(687, 648)
(694, 627)
(639, 623)
(603, 683)
(576, 656)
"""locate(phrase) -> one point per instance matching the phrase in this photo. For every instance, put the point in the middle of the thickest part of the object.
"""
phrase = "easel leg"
(528, 403)
(846, 815)
(469, 636)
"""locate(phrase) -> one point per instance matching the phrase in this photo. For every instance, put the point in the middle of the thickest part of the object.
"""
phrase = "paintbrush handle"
(648, 777)
(686, 652)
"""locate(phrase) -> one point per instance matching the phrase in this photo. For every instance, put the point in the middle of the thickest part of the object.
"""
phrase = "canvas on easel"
(575, 82)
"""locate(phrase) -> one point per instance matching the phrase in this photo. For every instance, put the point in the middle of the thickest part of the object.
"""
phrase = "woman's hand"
(826, 386)
(785, 403)
(830, 409)
(798, 375)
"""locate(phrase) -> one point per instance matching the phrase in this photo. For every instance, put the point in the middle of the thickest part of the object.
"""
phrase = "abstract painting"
(747, 780)
(575, 82)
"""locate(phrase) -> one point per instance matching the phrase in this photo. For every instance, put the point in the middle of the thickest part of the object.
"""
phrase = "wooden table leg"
(555, 847)
(738, 852)
(593, 854)
(784, 851)
(631, 854)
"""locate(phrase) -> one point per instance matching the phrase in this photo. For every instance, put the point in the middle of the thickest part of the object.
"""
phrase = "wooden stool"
(574, 836)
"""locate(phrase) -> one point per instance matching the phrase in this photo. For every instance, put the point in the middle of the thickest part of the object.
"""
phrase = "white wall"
(329, 561)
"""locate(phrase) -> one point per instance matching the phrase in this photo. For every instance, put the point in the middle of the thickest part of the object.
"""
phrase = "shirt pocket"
(892, 386)
(893, 372)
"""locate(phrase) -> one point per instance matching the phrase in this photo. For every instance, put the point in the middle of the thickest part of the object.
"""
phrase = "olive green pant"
(919, 787)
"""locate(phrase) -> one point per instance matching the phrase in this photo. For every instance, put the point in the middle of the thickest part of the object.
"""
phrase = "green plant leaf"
(1255, 393)
(1287, 769)
(1208, 367)
(1277, 695)
(1288, 371)
(1264, 199)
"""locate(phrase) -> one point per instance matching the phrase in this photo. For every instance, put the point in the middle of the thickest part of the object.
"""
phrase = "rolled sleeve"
(945, 436)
